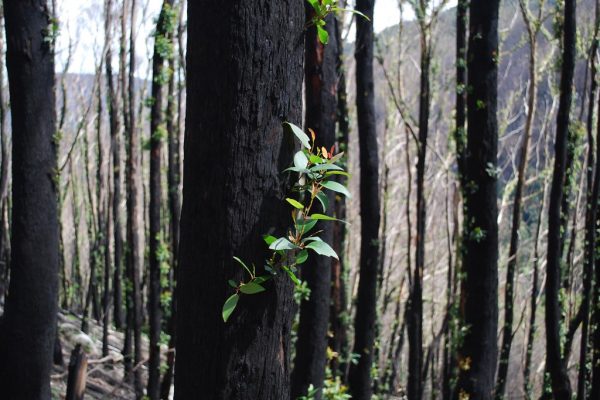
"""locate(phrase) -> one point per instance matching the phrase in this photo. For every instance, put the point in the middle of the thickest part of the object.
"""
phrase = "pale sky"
(82, 23)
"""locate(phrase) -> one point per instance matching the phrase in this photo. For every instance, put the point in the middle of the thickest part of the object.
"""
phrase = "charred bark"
(320, 116)
(27, 328)
(478, 352)
(162, 51)
(555, 364)
(360, 380)
(244, 79)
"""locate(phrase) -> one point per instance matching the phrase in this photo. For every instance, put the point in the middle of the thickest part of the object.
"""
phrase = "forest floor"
(105, 375)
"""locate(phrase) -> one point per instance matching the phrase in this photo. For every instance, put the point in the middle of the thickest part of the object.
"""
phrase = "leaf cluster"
(322, 9)
(315, 168)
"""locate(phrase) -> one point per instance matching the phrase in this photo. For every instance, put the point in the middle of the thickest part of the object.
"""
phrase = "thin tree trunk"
(162, 51)
(561, 387)
(173, 180)
(507, 330)
(339, 340)
(115, 145)
(128, 342)
(590, 220)
(478, 351)
(415, 310)
(460, 140)
(320, 116)
(4, 172)
(134, 208)
(360, 379)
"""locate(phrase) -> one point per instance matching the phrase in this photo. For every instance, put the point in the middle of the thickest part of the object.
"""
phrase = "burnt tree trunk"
(593, 180)
(320, 116)
(359, 378)
(555, 364)
(174, 211)
(244, 79)
(460, 141)
(477, 354)
(507, 329)
(134, 208)
(128, 340)
(115, 144)
(27, 328)
(4, 173)
(162, 51)
(415, 309)
(338, 326)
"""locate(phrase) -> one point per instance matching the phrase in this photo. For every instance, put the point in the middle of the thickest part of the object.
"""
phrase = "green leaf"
(232, 283)
(305, 226)
(336, 187)
(303, 137)
(251, 288)
(229, 306)
(292, 276)
(329, 173)
(350, 11)
(312, 239)
(300, 160)
(295, 203)
(302, 256)
(282, 244)
(322, 248)
(323, 35)
(322, 197)
(315, 159)
(296, 169)
(322, 217)
(243, 265)
(315, 4)
(326, 167)
(262, 279)
(269, 239)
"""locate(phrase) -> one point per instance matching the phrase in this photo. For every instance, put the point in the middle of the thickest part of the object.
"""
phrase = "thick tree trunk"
(244, 79)
(366, 308)
(555, 365)
(27, 328)
(478, 352)
(320, 116)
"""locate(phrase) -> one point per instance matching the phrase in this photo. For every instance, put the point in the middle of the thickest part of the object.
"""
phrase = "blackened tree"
(160, 74)
(359, 378)
(320, 116)
(555, 364)
(27, 328)
(478, 350)
(244, 77)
